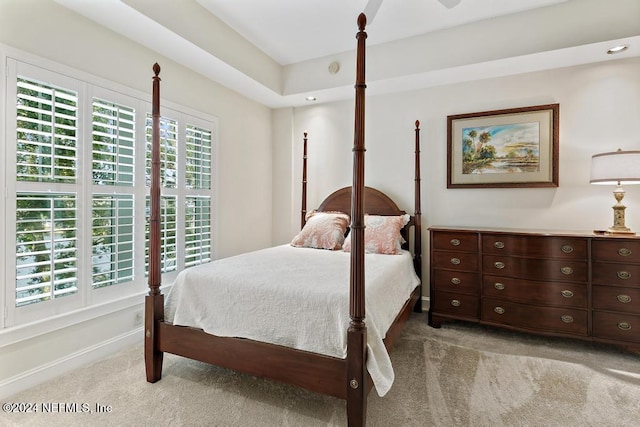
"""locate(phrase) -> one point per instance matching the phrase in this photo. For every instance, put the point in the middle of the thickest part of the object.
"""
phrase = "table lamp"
(616, 168)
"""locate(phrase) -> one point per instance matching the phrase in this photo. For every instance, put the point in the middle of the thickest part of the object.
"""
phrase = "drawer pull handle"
(455, 261)
(455, 303)
(456, 280)
(499, 286)
(624, 298)
(499, 245)
(624, 275)
(567, 249)
(499, 265)
(566, 270)
(566, 318)
(499, 310)
(624, 326)
(624, 252)
(454, 242)
(567, 293)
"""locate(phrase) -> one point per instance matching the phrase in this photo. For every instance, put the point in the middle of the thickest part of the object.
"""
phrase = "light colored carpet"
(459, 375)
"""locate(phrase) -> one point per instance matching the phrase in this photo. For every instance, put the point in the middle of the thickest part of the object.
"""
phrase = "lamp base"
(618, 227)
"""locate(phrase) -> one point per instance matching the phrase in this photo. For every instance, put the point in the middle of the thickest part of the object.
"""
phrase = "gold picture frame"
(510, 148)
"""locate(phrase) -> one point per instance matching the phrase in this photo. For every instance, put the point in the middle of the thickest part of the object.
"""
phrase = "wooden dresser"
(578, 285)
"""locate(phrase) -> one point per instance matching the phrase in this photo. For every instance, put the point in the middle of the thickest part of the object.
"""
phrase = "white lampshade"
(616, 167)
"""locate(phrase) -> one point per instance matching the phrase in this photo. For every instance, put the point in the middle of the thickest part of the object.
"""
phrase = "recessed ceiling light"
(618, 49)
(311, 98)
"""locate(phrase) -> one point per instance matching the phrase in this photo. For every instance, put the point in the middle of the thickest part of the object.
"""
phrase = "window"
(197, 230)
(46, 247)
(45, 223)
(198, 158)
(75, 207)
(113, 131)
(46, 132)
(198, 202)
(168, 234)
(168, 152)
(42, 178)
(112, 239)
(112, 227)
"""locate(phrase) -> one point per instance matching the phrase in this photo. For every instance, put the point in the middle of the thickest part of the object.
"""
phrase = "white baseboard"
(425, 304)
(39, 375)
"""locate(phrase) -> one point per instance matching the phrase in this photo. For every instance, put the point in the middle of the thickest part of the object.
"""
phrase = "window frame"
(19, 323)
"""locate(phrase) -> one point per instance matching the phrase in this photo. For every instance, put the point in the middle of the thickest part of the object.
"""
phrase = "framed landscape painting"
(516, 147)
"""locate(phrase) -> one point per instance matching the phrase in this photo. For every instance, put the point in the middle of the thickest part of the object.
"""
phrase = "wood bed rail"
(357, 332)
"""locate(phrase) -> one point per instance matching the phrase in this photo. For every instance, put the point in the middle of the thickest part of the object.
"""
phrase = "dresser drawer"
(548, 319)
(455, 260)
(457, 281)
(616, 326)
(619, 250)
(542, 293)
(616, 274)
(535, 247)
(535, 269)
(458, 305)
(616, 299)
(452, 240)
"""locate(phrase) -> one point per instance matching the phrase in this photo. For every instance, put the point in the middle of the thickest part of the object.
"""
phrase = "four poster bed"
(312, 342)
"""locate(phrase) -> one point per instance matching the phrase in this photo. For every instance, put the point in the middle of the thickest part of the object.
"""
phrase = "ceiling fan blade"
(449, 4)
(371, 9)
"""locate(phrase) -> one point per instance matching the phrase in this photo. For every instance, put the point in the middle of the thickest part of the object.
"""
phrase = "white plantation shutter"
(113, 131)
(198, 158)
(112, 227)
(113, 236)
(46, 247)
(197, 230)
(46, 132)
(198, 168)
(168, 211)
(46, 174)
(168, 234)
(168, 203)
(168, 152)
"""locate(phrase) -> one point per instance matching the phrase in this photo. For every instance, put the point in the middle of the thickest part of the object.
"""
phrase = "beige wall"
(599, 111)
(243, 194)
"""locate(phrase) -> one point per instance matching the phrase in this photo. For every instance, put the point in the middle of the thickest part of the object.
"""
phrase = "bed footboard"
(312, 371)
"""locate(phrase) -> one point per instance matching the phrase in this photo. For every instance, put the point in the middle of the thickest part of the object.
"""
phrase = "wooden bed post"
(357, 332)
(417, 244)
(154, 302)
(303, 212)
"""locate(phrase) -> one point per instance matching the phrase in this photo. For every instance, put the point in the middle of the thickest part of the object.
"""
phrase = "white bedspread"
(295, 297)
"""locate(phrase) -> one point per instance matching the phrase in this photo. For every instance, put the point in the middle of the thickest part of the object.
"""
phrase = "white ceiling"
(277, 51)
(292, 31)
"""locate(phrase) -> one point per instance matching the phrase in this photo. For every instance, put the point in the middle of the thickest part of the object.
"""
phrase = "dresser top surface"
(535, 232)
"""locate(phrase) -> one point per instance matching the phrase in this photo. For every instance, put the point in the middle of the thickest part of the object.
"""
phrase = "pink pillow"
(323, 230)
(382, 234)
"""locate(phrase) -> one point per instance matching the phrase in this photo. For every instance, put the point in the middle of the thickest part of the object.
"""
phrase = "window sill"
(31, 330)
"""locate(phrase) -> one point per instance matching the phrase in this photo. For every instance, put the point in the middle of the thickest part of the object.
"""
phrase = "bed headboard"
(375, 202)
